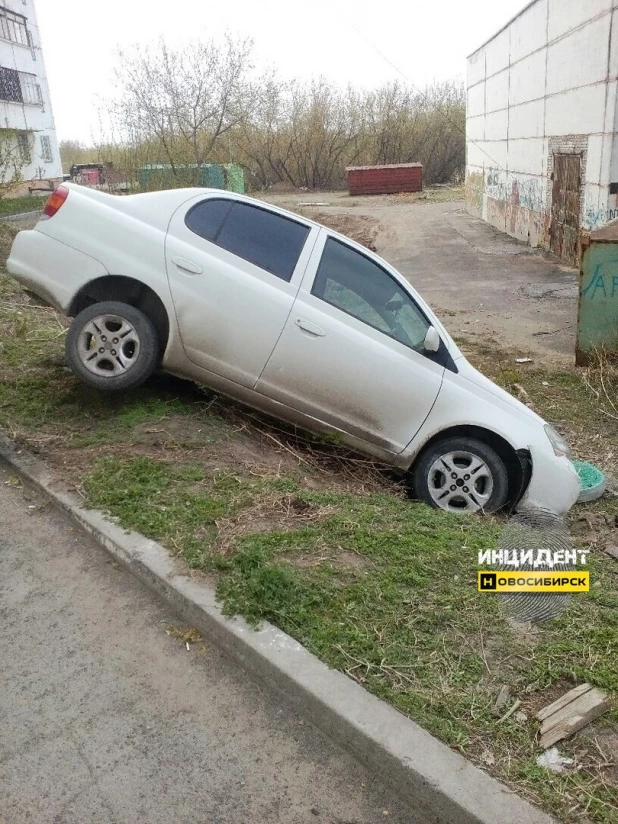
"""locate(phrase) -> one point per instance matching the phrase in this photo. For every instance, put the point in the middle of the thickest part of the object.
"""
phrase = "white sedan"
(289, 317)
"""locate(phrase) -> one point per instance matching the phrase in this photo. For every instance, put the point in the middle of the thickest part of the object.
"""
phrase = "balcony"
(30, 89)
(20, 87)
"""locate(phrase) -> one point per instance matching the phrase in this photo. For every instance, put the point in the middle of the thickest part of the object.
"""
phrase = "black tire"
(434, 483)
(130, 358)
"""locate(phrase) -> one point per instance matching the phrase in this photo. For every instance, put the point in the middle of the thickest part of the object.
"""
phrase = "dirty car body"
(278, 312)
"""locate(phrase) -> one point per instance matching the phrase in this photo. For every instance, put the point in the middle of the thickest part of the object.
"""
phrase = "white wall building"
(27, 135)
(542, 154)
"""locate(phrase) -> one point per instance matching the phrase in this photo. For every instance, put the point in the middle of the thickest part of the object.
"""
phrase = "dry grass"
(601, 379)
(272, 510)
(360, 228)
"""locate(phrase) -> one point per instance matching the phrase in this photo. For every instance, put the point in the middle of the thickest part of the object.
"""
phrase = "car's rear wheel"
(461, 475)
(112, 346)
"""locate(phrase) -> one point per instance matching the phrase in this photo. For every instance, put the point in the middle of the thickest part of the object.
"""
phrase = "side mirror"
(432, 340)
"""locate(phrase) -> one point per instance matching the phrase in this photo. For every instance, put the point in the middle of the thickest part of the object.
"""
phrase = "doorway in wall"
(565, 207)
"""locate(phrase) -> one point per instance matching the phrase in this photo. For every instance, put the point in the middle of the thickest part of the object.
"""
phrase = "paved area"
(107, 719)
(484, 285)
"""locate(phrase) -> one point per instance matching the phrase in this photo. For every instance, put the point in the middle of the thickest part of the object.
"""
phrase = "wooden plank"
(561, 702)
(571, 725)
(578, 708)
(570, 713)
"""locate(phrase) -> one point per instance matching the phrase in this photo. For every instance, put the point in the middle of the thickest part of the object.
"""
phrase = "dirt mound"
(361, 228)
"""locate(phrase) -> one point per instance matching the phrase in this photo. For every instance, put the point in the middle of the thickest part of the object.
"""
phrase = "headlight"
(559, 445)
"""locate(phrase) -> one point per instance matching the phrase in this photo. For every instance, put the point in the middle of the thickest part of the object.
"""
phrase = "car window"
(356, 285)
(268, 240)
(206, 218)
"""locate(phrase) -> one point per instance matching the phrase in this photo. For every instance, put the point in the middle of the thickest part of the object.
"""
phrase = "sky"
(339, 39)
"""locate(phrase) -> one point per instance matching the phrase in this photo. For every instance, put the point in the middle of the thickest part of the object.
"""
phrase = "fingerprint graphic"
(535, 529)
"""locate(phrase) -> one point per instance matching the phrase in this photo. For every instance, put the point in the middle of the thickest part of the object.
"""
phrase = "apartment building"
(29, 154)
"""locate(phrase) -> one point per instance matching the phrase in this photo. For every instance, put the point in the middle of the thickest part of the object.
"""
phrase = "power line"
(424, 95)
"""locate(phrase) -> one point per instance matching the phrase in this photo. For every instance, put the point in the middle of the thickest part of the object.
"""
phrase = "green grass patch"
(19, 205)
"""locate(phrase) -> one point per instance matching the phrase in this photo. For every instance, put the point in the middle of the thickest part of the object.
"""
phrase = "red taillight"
(55, 201)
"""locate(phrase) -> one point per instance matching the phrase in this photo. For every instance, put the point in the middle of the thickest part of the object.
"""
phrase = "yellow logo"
(533, 581)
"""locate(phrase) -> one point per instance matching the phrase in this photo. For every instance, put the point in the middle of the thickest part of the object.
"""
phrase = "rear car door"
(351, 353)
(234, 269)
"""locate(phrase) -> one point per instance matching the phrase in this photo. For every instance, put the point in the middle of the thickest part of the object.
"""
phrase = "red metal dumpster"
(385, 180)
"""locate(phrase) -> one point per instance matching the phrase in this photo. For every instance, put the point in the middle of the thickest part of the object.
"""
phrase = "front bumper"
(554, 484)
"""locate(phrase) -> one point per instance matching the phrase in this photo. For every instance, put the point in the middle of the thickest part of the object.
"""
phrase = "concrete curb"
(21, 216)
(436, 780)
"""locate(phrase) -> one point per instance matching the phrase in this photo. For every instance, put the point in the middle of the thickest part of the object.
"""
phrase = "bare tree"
(72, 151)
(181, 102)
(202, 104)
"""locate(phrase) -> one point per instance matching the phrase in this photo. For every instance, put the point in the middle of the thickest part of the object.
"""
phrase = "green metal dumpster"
(162, 176)
(597, 321)
(213, 176)
(234, 178)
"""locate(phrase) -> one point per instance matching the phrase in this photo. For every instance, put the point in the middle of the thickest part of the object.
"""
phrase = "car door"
(351, 353)
(234, 269)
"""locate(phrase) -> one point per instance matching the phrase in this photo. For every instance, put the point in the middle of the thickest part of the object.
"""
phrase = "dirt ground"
(484, 285)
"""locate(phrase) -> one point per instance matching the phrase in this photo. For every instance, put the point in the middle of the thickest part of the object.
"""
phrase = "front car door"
(234, 269)
(351, 353)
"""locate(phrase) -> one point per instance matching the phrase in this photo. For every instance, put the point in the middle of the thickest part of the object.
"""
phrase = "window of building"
(358, 286)
(10, 87)
(30, 89)
(268, 240)
(23, 144)
(46, 149)
(13, 27)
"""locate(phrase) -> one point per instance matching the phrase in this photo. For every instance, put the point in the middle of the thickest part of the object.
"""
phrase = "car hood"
(468, 373)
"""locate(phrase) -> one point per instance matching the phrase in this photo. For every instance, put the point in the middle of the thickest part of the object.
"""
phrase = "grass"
(383, 589)
(296, 531)
(18, 205)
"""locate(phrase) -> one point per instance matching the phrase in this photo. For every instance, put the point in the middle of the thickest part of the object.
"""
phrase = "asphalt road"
(104, 717)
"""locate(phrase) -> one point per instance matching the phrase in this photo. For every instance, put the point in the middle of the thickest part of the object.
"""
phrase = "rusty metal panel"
(565, 207)
(389, 179)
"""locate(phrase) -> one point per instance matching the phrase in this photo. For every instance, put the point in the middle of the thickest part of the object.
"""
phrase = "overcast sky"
(340, 39)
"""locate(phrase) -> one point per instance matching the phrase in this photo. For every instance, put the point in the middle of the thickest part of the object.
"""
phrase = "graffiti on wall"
(527, 192)
(596, 216)
(603, 283)
(474, 193)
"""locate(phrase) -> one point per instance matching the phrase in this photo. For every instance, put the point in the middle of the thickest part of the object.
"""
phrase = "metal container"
(385, 180)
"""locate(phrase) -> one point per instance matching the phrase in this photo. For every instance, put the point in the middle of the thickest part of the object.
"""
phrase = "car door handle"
(188, 266)
(312, 328)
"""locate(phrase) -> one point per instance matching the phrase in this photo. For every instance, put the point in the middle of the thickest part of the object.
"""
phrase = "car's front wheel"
(112, 346)
(461, 475)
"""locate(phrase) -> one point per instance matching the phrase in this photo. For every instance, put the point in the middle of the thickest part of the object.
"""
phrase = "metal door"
(565, 207)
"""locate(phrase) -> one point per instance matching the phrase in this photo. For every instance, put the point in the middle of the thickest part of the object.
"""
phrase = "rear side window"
(268, 240)
(207, 217)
